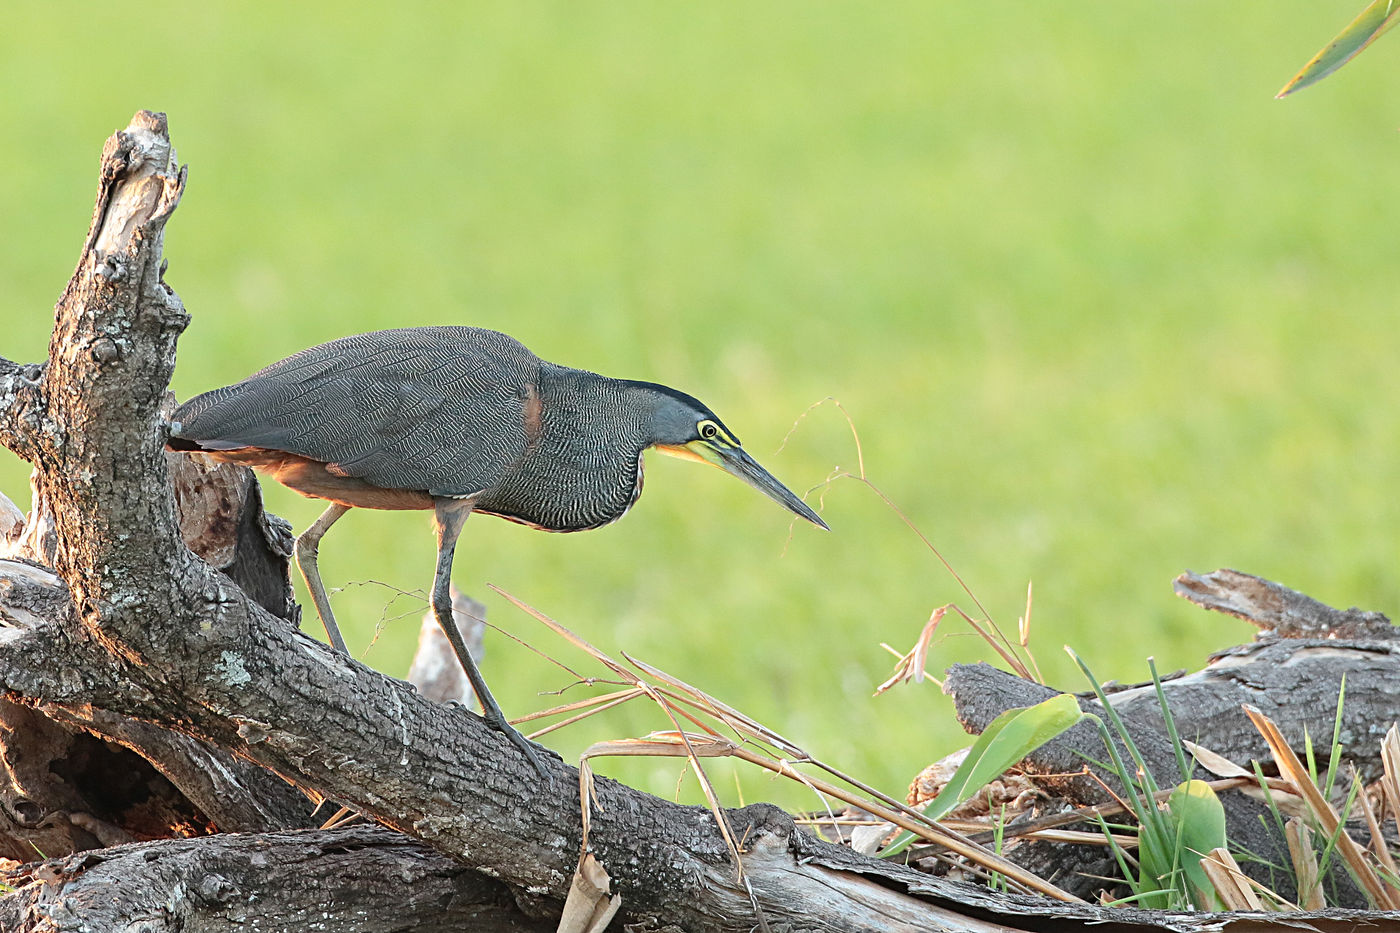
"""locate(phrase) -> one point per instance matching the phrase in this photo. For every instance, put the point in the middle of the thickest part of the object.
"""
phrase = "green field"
(1102, 309)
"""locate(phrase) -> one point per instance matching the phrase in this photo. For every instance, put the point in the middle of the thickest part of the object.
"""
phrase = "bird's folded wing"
(408, 409)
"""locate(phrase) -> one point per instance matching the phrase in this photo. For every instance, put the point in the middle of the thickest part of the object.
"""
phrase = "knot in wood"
(105, 350)
(26, 812)
(214, 890)
(110, 269)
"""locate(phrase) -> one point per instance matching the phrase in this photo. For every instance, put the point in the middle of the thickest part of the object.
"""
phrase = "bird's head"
(683, 427)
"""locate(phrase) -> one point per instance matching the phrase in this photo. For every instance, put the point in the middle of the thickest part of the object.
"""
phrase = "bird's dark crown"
(678, 418)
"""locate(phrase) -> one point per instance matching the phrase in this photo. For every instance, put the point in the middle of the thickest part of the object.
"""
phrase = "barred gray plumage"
(455, 419)
(431, 408)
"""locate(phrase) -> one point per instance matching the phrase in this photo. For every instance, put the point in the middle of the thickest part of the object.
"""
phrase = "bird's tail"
(175, 442)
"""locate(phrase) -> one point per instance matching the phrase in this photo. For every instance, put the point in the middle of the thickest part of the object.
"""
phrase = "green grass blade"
(1167, 718)
(1336, 749)
(1007, 739)
(1310, 757)
(1164, 881)
(1011, 736)
(1149, 784)
(1324, 860)
(1373, 23)
(1123, 861)
(1152, 830)
(1279, 821)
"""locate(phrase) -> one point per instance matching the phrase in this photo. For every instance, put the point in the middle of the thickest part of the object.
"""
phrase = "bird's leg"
(449, 515)
(307, 544)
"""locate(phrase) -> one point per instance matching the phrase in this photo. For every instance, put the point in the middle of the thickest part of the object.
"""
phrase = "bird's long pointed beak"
(736, 462)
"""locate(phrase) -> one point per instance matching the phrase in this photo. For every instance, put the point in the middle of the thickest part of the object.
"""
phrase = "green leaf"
(1200, 826)
(1007, 739)
(1373, 23)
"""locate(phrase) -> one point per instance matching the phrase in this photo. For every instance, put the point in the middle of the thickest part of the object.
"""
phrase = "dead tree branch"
(135, 624)
(337, 880)
(131, 632)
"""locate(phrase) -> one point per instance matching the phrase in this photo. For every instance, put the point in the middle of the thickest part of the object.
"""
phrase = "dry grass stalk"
(677, 699)
(1390, 761)
(1023, 630)
(731, 717)
(590, 905)
(1081, 838)
(1305, 870)
(892, 810)
(746, 729)
(1216, 763)
(1381, 895)
(1007, 654)
(677, 745)
(1000, 643)
(586, 796)
(589, 707)
(1279, 792)
(913, 665)
(1373, 825)
(1234, 887)
(341, 817)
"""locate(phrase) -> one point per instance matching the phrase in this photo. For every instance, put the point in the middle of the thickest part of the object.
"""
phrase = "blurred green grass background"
(1102, 310)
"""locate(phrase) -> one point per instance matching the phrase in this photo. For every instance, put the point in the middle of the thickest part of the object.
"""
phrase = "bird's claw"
(528, 748)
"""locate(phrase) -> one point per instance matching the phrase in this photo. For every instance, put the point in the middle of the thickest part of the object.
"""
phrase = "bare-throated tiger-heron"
(457, 420)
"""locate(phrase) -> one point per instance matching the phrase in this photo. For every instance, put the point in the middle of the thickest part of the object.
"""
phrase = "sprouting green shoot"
(1336, 757)
(1170, 721)
(1172, 839)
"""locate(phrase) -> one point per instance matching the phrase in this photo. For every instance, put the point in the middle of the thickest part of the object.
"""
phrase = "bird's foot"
(528, 748)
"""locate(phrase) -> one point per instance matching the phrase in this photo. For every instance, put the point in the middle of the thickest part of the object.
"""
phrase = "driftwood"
(1294, 673)
(111, 627)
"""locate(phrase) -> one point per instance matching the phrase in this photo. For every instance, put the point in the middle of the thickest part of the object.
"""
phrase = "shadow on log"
(316, 880)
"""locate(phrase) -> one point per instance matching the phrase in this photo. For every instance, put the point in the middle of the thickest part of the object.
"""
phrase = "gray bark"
(1293, 672)
(150, 632)
(309, 880)
(131, 629)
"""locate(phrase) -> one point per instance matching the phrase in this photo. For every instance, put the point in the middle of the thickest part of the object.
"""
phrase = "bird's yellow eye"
(708, 429)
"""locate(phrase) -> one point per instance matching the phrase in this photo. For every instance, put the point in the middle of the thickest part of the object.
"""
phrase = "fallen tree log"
(72, 780)
(130, 631)
(1294, 673)
(328, 879)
